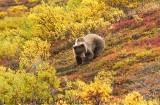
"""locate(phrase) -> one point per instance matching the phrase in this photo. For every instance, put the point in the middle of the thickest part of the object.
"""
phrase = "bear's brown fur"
(87, 48)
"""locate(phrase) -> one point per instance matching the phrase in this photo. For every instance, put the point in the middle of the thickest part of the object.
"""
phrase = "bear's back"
(94, 39)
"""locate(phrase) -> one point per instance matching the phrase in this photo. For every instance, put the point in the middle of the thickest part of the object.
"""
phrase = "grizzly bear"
(87, 48)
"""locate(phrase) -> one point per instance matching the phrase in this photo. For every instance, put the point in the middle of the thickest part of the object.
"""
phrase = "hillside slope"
(132, 52)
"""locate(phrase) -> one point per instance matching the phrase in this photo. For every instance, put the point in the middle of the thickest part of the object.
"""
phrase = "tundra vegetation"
(37, 64)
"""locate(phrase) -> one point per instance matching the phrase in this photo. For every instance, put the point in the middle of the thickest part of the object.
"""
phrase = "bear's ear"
(80, 39)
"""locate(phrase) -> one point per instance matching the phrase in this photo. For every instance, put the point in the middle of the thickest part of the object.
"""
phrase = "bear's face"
(80, 50)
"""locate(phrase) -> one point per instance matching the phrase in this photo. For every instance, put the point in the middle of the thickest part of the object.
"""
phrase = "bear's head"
(80, 50)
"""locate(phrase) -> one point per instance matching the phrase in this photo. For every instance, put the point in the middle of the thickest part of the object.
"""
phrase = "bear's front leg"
(78, 60)
(88, 57)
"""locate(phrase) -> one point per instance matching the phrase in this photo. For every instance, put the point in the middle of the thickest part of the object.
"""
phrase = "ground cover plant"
(37, 64)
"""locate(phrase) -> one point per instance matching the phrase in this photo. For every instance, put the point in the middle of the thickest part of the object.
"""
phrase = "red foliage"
(151, 41)
(120, 72)
(122, 80)
(149, 20)
(124, 24)
(151, 12)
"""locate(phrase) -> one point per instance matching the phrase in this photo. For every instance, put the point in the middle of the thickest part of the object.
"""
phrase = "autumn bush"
(34, 53)
(15, 31)
(27, 35)
(14, 23)
(137, 56)
(3, 15)
(33, 1)
(136, 98)
(19, 10)
(145, 56)
(77, 18)
(11, 43)
(23, 88)
(98, 91)
(79, 92)
(123, 4)
(125, 62)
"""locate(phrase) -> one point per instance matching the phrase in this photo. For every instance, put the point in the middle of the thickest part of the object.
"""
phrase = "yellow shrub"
(11, 43)
(95, 92)
(47, 73)
(3, 15)
(33, 1)
(153, 102)
(22, 88)
(124, 4)
(124, 62)
(56, 23)
(14, 23)
(134, 98)
(19, 10)
(34, 52)
(145, 55)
